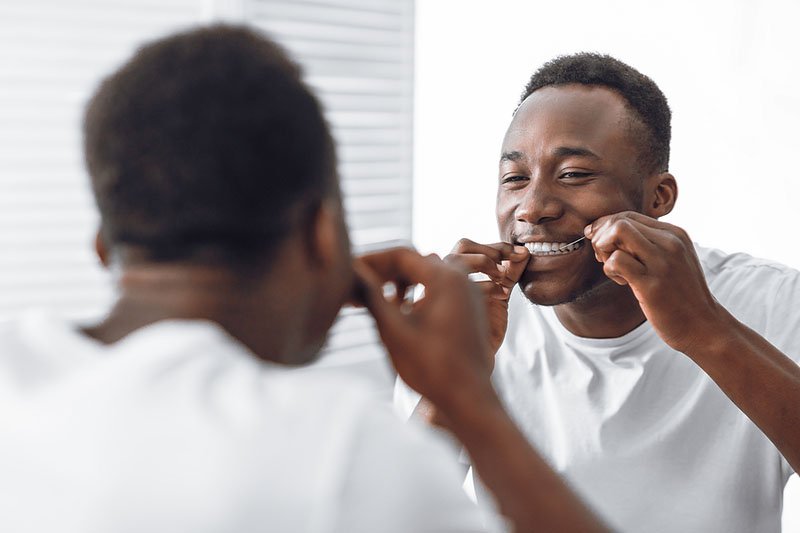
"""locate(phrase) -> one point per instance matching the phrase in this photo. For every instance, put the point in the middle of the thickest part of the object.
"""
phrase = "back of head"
(207, 140)
(646, 101)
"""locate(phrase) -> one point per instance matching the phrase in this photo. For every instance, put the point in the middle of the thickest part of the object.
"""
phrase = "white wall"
(729, 70)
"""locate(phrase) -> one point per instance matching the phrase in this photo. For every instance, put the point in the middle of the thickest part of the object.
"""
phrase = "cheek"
(504, 211)
(595, 204)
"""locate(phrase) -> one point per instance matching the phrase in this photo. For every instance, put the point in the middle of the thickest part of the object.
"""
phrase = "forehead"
(592, 117)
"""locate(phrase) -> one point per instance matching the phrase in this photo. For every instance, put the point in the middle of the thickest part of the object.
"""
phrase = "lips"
(552, 248)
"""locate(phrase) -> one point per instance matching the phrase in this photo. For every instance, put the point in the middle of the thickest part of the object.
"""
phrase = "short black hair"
(641, 93)
(207, 139)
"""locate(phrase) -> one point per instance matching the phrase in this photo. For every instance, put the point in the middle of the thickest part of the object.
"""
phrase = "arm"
(658, 262)
(503, 264)
(439, 347)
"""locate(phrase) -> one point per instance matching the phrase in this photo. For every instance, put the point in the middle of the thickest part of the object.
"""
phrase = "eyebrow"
(511, 156)
(561, 151)
(566, 151)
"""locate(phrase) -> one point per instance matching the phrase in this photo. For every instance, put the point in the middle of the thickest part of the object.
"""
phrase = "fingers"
(472, 263)
(403, 266)
(514, 270)
(492, 290)
(623, 268)
(660, 233)
(646, 245)
(607, 220)
(502, 262)
(496, 252)
(623, 234)
(370, 294)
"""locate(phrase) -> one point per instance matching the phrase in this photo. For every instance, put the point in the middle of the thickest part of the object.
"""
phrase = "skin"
(571, 166)
(568, 159)
(250, 306)
(658, 262)
(438, 345)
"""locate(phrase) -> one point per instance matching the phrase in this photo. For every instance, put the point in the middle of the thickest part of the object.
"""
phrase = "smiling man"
(617, 353)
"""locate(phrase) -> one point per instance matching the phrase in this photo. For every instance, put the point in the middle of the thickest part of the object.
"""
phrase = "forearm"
(526, 489)
(762, 381)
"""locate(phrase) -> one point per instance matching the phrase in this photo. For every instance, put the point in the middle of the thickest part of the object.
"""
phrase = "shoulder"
(24, 328)
(761, 293)
(739, 276)
(35, 346)
(721, 265)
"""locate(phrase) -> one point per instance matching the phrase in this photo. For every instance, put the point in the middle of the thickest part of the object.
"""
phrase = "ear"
(326, 240)
(100, 248)
(660, 194)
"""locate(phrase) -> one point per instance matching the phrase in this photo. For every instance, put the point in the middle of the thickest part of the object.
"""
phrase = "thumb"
(387, 316)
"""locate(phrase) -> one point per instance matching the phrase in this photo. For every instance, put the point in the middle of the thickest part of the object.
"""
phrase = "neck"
(150, 293)
(607, 311)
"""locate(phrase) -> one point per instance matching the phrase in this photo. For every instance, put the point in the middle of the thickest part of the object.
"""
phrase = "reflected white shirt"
(179, 428)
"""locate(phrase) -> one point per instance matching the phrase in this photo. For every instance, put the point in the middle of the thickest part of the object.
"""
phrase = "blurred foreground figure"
(183, 410)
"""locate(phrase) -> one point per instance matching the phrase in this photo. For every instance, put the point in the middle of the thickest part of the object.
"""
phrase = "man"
(182, 410)
(619, 371)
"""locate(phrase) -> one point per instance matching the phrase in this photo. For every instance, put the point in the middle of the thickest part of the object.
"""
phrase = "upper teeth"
(545, 248)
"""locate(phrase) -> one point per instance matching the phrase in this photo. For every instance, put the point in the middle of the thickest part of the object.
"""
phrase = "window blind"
(52, 55)
(356, 54)
(358, 57)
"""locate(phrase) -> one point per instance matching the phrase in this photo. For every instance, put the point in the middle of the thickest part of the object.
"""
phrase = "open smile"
(553, 248)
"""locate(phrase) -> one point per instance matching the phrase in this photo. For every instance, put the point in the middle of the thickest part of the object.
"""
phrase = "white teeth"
(551, 248)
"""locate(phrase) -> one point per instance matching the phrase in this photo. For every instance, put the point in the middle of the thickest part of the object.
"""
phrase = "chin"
(559, 294)
(547, 298)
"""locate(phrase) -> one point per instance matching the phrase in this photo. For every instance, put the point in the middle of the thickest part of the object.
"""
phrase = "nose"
(539, 204)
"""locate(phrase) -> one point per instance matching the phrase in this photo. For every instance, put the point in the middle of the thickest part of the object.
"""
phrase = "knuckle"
(683, 236)
(462, 245)
(617, 218)
(624, 225)
(614, 231)
(451, 258)
(675, 244)
(609, 270)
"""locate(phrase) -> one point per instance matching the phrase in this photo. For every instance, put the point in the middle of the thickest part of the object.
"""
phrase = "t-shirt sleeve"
(400, 478)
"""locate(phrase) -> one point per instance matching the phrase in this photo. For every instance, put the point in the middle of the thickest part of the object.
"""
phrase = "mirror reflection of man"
(620, 369)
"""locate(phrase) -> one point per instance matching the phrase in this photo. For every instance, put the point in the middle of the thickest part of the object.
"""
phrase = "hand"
(504, 263)
(438, 344)
(658, 261)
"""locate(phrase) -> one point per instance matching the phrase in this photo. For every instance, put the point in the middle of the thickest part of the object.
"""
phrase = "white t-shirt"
(639, 430)
(179, 428)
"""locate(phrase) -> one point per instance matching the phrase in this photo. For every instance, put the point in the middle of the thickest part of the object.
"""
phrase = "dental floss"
(571, 243)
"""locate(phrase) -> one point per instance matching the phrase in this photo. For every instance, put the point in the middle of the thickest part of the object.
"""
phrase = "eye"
(513, 179)
(575, 175)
